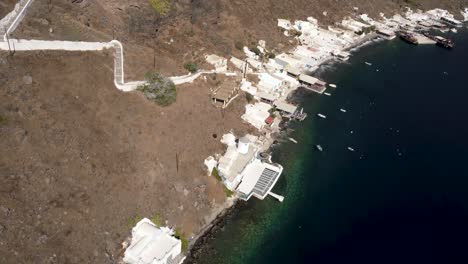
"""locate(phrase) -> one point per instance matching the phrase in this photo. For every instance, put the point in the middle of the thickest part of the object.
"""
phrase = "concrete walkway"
(9, 23)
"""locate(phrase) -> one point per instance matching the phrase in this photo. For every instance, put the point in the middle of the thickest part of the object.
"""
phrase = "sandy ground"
(79, 158)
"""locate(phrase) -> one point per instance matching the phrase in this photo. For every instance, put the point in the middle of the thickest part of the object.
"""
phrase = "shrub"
(271, 55)
(249, 98)
(159, 89)
(256, 50)
(183, 239)
(157, 219)
(161, 6)
(191, 67)
(227, 192)
(215, 173)
(2, 120)
(239, 45)
(132, 221)
(295, 33)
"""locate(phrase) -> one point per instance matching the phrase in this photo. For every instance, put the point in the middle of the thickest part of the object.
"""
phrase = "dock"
(423, 40)
(276, 196)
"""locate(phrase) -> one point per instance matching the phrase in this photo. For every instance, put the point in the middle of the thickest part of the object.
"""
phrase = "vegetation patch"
(367, 30)
(227, 192)
(256, 50)
(2, 120)
(215, 173)
(132, 221)
(270, 55)
(295, 33)
(159, 89)
(161, 6)
(249, 97)
(183, 239)
(157, 219)
(191, 67)
(239, 45)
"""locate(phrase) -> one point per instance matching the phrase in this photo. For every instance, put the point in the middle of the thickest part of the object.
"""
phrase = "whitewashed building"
(152, 245)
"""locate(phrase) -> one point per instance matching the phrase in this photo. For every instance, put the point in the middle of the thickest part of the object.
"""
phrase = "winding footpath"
(11, 21)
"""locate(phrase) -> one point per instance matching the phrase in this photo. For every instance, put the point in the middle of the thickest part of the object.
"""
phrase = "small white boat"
(332, 85)
(351, 149)
(454, 30)
(321, 116)
(343, 110)
(368, 63)
(327, 94)
(319, 148)
(293, 140)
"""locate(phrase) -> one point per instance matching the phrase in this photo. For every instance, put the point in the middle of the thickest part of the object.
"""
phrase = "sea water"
(400, 197)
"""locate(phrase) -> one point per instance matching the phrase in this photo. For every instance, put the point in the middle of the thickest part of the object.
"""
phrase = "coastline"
(198, 244)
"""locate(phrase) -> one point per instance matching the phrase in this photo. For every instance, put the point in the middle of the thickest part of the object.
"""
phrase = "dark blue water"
(401, 197)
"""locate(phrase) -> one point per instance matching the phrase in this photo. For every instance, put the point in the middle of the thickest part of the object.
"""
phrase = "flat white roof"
(283, 106)
(267, 96)
(252, 181)
(251, 174)
(307, 78)
(151, 244)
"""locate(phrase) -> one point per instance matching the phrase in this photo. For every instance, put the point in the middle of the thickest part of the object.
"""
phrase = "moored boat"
(321, 116)
(444, 42)
(408, 37)
(351, 149)
(319, 148)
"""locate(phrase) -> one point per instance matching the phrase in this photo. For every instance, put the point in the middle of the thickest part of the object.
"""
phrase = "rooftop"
(151, 245)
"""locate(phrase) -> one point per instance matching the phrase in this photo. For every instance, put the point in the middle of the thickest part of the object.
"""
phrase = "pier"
(276, 196)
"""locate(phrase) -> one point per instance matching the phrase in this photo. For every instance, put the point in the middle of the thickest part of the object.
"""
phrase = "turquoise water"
(399, 198)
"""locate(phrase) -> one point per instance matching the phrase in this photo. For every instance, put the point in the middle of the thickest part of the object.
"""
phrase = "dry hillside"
(79, 159)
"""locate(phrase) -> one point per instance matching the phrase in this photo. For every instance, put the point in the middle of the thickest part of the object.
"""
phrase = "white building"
(237, 156)
(256, 114)
(152, 245)
(258, 178)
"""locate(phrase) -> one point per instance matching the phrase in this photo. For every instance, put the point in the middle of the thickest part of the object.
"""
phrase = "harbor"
(328, 193)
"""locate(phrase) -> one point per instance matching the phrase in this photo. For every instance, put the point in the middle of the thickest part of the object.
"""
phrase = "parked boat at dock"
(327, 94)
(408, 37)
(332, 85)
(440, 41)
(444, 42)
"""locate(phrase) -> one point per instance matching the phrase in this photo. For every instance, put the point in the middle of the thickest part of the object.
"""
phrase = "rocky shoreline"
(199, 244)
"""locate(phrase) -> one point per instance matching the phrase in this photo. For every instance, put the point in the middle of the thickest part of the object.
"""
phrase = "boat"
(293, 140)
(408, 37)
(319, 148)
(351, 149)
(454, 30)
(327, 94)
(322, 116)
(444, 42)
(343, 110)
(368, 63)
(332, 85)
(429, 36)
